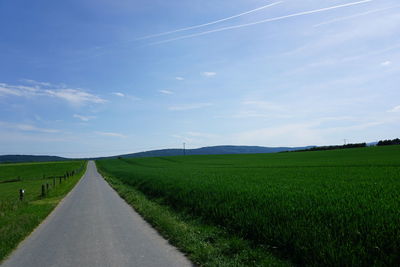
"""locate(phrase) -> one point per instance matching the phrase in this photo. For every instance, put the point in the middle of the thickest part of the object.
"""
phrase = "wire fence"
(51, 182)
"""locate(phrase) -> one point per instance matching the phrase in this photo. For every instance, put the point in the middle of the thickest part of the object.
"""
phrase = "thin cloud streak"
(166, 92)
(83, 118)
(386, 63)
(75, 96)
(26, 127)
(189, 106)
(209, 73)
(118, 94)
(110, 134)
(263, 21)
(395, 109)
(209, 23)
(45, 84)
(71, 95)
(354, 16)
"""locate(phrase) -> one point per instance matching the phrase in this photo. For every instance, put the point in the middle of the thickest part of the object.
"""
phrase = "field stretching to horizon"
(19, 218)
(321, 208)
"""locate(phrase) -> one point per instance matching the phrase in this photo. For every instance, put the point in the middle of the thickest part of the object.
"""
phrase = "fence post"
(60, 179)
(43, 191)
(47, 187)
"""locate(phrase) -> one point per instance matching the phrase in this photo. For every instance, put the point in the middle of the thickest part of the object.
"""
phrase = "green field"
(18, 218)
(335, 208)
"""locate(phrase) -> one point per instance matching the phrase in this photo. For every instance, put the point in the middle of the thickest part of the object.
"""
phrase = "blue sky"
(101, 77)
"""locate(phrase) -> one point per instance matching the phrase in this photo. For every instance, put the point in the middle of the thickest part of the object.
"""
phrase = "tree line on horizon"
(319, 148)
(389, 142)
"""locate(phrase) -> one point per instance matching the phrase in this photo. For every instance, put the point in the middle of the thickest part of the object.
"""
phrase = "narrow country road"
(93, 226)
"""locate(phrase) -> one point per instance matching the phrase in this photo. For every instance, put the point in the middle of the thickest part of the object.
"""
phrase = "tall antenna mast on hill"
(345, 141)
(184, 149)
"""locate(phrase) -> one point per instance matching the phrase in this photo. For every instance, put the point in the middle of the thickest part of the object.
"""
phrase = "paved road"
(93, 226)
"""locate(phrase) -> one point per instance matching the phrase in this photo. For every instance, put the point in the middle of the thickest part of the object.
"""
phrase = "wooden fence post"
(43, 191)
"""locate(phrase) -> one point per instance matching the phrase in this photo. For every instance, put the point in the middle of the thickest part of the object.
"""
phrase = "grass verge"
(19, 218)
(203, 244)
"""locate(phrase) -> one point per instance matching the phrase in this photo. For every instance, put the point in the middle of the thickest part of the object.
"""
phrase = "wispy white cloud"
(377, 28)
(19, 90)
(209, 74)
(209, 23)
(386, 63)
(395, 109)
(127, 96)
(263, 21)
(27, 127)
(111, 134)
(189, 106)
(75, 96)
(166, 92)
(33, 82)
(5, 90)
(72, 96)
(83, 118)
(118, 94)
(353, 16)
(179, 78)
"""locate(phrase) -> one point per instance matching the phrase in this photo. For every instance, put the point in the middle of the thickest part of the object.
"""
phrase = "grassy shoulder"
(204, 244)
(19, 218)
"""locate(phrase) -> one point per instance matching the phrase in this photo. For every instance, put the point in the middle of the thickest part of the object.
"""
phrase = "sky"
(85, 78)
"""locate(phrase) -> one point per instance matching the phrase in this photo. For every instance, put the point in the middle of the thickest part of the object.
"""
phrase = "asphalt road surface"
(93, 226)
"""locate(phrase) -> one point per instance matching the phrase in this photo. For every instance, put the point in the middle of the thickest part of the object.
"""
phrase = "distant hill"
(213, 150)
(28, 158)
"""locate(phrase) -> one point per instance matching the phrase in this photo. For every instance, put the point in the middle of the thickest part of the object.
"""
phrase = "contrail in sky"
(263, 21)
(354, 16)
(209, 23)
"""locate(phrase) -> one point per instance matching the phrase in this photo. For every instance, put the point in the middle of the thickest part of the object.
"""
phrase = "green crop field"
(19, 217)
(324, 208)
